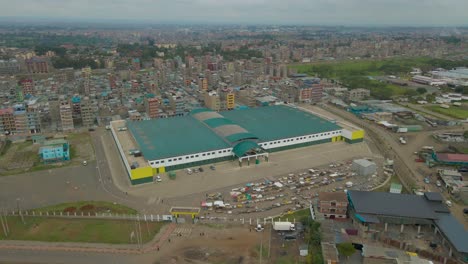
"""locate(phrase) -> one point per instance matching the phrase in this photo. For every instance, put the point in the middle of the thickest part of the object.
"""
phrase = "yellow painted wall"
(140, 173)
(357, 134)
(162, 170)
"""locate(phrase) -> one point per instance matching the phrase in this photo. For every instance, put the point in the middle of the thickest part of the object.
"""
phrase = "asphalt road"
(62, 257)
(68, 184)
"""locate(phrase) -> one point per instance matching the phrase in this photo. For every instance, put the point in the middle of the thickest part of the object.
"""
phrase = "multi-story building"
(87, 112)
(7, 121)
(213, 101)
(55, 151)
(33, 119)
(9, 67)
(152, 107)
(333, 204)
(37, 65)
(227, 99)
(28, 87)
(357, 94)
(20, 119)
(66, 118)
(203, 84)
(86, 75)
(316, 93)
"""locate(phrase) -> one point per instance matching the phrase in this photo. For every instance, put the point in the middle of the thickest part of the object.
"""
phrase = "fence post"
(157, 217)
(145, 217)
(53, 213)
(40, 213)
(47, 213)
(34, 213)
(75, 213)
(250, 221)
(81, 213)
(152, 218)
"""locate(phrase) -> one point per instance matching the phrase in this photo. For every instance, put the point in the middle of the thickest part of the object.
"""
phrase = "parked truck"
(283, 226)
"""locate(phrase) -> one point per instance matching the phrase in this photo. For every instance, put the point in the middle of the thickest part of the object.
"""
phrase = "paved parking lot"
(190, 190)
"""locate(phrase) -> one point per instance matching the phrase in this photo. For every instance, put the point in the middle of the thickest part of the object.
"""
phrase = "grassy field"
(88, 206)
(78, 230)
(358, 73)
(23, 156)
(453, 111)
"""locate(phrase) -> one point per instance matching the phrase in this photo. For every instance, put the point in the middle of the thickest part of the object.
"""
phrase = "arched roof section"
(243, 147)
(241, 136)
(217, 122)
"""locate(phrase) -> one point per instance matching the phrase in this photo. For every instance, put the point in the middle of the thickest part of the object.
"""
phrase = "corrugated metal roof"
(279, 122)
(452, 157)
(228, 130)
(206, 115)
(240, 136)
(216, 122)
(454, 231)
(391, 204)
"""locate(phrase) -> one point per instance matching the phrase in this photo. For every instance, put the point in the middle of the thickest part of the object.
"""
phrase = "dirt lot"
(23, 156)
(227, 244)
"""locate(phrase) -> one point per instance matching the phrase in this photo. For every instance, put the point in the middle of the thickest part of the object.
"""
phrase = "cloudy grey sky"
(321, 12)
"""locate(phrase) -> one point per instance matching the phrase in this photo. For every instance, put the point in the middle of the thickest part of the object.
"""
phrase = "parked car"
(200, 169)
(426, 180)
(448, 203)
(158, 178)
(85, 163)
(212, 167)
(438, 184)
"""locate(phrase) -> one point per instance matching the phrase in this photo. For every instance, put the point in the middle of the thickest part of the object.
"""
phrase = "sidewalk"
(158, 240)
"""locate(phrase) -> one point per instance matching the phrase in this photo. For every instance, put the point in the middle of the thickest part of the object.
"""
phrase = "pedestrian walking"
(157, 248)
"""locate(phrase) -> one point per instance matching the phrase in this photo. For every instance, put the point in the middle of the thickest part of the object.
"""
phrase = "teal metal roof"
(241, 148)
(177, 136)
(217, 122)
(240, 136)
(278, 122)
(200, 110)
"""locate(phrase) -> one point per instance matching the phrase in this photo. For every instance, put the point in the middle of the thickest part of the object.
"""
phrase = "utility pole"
(269, 241)
(261, 248)
(19, 210)
(139, 230)
(3, 226)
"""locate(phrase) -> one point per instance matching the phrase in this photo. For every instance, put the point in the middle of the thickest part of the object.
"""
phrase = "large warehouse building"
(156, 146)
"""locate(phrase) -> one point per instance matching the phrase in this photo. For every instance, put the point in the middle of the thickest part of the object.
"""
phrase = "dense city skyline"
(317, 12)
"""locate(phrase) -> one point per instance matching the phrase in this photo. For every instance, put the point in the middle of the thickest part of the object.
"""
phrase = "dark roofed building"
(375, 210)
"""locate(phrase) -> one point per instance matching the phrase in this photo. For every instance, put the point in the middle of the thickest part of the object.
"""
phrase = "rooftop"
(170, 137)
(278, 122)
(452, 157)
(454, 231)
(392, 204)
(204, 130)
(333, 196)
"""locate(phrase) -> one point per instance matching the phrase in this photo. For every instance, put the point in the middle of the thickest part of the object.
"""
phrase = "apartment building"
(66, 118)
(333, 204)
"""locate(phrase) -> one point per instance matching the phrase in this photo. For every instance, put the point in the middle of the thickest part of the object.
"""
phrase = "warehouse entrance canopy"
(247, 150)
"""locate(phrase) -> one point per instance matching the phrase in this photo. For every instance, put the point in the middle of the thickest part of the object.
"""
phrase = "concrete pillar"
(445, 260)
(386, 227)
(402, 228)
(419, 229)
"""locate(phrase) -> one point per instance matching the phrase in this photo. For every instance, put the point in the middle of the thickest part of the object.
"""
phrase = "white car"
(158, 178)
(439, 184)
(85, 163)
(448, 203)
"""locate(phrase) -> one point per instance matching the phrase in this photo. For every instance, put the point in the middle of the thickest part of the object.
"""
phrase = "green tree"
(465, 134)
(421, 90)
(346, 249)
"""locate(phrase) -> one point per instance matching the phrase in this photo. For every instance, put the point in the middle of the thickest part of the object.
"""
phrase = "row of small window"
(190, 157)
(301, 138)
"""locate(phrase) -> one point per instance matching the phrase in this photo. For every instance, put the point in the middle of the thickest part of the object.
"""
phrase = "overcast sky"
(318, 12)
